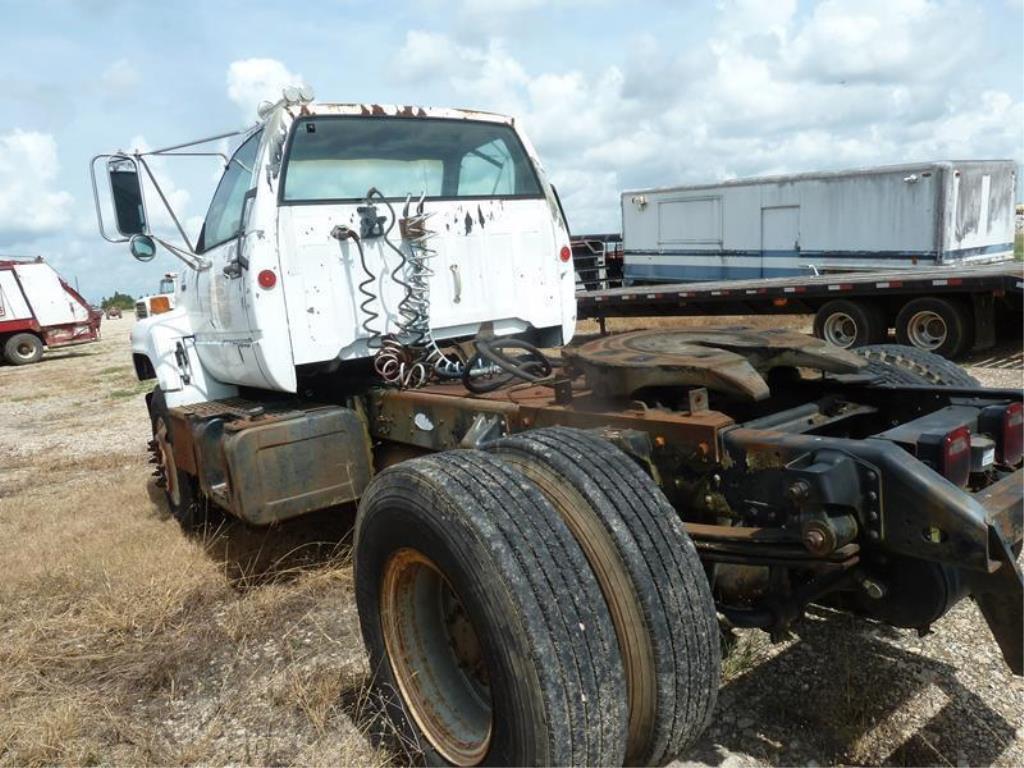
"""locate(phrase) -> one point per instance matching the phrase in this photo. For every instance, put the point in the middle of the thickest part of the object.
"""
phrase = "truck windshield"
(340, 158)
(166, 286)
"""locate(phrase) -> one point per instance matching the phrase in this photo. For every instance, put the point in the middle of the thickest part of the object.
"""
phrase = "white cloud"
(251, 81)
(30, 203)
(851, 83)
(119, 78)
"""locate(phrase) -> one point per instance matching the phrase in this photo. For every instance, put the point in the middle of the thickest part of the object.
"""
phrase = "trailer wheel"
(935, 325)
(651, 577)
(487, 634)
(23, 348)
(845, 324)
(186, 501)
(899, 364)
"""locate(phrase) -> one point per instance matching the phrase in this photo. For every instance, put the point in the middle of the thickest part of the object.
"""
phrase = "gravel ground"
(841, 691)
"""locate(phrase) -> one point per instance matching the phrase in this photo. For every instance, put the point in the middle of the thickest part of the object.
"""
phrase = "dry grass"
(124, 641)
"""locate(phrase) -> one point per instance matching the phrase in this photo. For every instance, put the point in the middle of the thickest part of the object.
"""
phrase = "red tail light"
(1011, 447)
(267, 279)
(565, 254)
(955, 459)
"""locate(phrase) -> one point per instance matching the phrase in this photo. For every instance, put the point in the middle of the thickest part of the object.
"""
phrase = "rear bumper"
(1000, 592)
(1004, 507)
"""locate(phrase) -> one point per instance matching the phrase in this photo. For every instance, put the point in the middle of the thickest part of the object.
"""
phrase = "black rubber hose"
(533, 367)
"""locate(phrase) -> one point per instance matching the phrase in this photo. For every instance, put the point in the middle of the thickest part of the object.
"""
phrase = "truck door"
(780, 241)
(224, 338)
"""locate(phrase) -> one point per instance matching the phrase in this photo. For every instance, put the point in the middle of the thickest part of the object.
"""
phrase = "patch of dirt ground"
(124, 641)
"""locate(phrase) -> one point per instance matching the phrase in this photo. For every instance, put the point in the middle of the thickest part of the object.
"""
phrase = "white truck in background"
(162, 301)
(40, 309)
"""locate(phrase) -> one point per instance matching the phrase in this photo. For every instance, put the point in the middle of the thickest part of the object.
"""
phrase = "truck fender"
(163, 347)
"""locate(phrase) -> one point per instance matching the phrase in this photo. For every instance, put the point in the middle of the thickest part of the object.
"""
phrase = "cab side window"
(224, 219)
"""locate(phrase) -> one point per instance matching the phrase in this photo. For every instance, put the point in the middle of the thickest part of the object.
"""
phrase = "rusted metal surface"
(1004, 502)
(439, 416)
(436, 658)
(264, 464)
(290, 466)
(730, 360)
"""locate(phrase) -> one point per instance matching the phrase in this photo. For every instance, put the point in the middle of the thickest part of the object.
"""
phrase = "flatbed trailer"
(970, 307)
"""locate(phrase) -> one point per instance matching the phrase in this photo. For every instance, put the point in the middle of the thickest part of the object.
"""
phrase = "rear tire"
(898, 364)
(941, 326)
(23, 349)
(650, 575)
(847, 324)
(532, 641)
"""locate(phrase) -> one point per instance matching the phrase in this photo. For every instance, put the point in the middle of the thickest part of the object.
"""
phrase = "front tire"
(486, 630)
(185, 500)
(23, 349)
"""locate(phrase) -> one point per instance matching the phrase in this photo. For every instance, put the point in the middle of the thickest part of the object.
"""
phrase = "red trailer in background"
(38, 308)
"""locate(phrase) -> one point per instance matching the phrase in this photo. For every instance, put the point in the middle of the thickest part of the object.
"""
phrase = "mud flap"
(1000, 596)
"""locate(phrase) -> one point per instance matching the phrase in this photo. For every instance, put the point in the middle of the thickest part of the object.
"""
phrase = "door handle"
(458, 282)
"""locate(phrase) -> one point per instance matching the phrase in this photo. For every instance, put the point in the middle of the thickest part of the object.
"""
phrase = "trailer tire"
(651, 577)
(900, 364)
(463, 537)
(942, 326)
(23, 349)
(847, 324)
(185, 500)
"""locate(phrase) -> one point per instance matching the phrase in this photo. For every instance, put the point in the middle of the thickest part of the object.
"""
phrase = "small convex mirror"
(129, 208)
(142, 247)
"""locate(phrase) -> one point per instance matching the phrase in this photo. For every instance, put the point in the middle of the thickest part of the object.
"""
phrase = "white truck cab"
(337, 230)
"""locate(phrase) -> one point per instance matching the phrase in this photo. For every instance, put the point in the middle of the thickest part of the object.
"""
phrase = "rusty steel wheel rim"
(436, 658)
(165, 461)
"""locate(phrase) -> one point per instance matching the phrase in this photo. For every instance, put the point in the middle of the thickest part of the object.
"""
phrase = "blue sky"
(614, 95)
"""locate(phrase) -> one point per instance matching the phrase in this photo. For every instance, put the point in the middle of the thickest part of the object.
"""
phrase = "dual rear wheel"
(943, 326)
(539, 603)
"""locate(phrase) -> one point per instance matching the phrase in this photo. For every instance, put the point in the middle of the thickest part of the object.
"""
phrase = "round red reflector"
(565, 254)
(267, 279)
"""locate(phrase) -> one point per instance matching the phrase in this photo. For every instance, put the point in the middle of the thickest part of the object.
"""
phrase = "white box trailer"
(37, 309)
(950, 213)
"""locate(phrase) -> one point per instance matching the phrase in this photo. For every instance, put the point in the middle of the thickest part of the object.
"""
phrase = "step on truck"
(40, 310)
(551, 532)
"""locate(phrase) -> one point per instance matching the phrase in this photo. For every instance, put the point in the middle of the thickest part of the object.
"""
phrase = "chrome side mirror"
(142, 247)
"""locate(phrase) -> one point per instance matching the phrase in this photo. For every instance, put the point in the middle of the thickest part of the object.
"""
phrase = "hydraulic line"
(533, 367)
